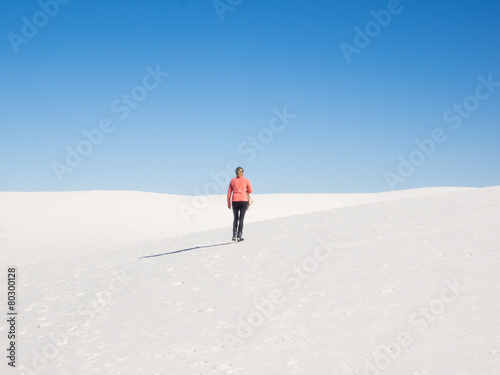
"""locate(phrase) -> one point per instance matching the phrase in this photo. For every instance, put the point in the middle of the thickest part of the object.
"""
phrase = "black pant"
(239, 210)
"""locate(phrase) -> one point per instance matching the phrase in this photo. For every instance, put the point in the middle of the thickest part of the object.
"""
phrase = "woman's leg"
(243, 210)
(235, 215)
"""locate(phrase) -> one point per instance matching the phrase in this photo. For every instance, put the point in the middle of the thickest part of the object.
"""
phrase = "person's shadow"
(189, 249)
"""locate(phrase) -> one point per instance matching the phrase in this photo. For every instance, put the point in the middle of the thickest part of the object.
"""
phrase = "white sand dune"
(41, 222)
(121, 283)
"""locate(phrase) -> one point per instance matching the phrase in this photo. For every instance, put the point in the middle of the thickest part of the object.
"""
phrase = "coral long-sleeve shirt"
(239, 187)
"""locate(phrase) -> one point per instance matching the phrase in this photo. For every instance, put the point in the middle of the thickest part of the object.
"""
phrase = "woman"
(239, 188)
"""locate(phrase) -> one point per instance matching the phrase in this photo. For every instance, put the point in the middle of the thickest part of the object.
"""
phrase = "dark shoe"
(240, 238)
(234, 235)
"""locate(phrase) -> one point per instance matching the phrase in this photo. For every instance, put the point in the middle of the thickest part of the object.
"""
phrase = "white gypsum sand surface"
(34, 223)
(184, 303)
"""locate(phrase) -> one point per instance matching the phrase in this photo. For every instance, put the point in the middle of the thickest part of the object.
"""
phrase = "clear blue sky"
(230, 69)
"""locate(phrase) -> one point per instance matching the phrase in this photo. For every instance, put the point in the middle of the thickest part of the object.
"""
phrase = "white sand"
(320, 284)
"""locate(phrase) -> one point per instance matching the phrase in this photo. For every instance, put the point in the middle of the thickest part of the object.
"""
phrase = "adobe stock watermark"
(249, 148)
(121, 106)
(387, 353)
(264, 308)
(87, 313)
(223, 6)
(455, 115)
(372, 29)
(32, 25)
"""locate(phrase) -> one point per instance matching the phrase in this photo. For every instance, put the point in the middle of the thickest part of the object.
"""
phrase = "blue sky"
(184, 89)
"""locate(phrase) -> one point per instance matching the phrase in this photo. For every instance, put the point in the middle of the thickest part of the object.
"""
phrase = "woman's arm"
(229, 192)
(249, 187)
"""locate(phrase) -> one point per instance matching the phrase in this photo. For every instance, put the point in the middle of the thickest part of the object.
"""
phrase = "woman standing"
(239, 188)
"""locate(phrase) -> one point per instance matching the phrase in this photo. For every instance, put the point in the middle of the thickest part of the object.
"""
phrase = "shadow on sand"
(189, 249)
